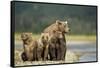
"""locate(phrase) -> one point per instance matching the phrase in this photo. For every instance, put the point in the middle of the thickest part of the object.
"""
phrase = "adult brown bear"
(57, 53)
(29, 46)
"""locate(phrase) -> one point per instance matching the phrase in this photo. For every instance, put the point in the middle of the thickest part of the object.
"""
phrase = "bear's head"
(44, 38)
(26, 36)
(62, 26)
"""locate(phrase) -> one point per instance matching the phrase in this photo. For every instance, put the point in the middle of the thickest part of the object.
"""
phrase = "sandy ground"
(70, 58)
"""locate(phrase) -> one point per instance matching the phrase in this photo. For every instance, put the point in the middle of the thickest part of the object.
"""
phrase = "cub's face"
(62, 26)
(57, 34)
(26, 36)
(45, 37)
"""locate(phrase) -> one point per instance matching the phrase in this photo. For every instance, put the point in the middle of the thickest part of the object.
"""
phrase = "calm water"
(87, 49)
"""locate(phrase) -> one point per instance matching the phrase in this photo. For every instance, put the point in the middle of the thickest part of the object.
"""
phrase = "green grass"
(81, 37)
(68, 37)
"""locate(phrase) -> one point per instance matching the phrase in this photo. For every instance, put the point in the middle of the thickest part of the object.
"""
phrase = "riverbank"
(68, 37)
(77, 51)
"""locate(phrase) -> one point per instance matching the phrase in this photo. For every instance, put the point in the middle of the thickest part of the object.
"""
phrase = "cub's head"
(26, 36)
(62, 26)
(44, 37)
(56, 34)
(59, 34)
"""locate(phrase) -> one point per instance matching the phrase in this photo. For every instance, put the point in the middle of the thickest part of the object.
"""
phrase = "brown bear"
(35, 49)
(61, 26)
(42, 49)
(55, 46)
(62, 48)
(29, 46)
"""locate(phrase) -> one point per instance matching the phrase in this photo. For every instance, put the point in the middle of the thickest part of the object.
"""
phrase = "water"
(82, 46)
(86, 49)
(88, 57)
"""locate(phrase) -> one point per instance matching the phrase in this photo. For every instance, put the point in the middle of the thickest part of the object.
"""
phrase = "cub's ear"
(58, 22)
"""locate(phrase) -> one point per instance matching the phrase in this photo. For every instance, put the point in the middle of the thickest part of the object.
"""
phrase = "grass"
(81, 37)
(68, 37)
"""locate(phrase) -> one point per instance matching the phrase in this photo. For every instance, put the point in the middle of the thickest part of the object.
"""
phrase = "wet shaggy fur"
(57, 48)
(42, 49)
(29, 46)
(35, 50)
(52, 43)
(61, 26)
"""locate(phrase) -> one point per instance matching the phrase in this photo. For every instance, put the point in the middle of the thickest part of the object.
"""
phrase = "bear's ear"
(58, 22)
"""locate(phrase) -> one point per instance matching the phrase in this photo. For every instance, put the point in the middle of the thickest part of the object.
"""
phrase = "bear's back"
(52, 27)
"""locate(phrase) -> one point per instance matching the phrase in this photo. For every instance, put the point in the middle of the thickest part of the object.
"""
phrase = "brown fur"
(55, 45)
(29, 46)
(57, 26)
(57, 48)
(42, 48)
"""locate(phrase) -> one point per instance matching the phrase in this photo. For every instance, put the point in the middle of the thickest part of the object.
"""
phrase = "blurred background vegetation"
(35, 17)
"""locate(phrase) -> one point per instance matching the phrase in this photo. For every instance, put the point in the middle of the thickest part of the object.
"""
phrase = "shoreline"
(67, 42)
(90, 38)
